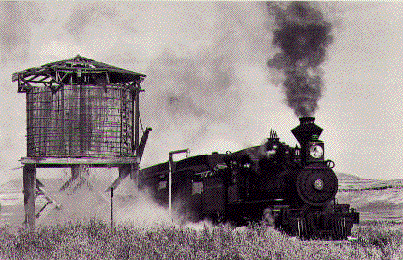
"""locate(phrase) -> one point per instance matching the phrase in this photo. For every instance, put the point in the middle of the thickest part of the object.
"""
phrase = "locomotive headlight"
(316, 151)
(318, 184)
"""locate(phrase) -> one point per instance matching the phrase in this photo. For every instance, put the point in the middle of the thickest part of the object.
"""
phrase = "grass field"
(96, 240)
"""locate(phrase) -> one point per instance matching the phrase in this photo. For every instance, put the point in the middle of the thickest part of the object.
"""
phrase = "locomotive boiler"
(291, 188)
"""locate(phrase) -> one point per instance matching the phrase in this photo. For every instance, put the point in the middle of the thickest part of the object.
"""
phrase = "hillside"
(349, 182)
(374, 199)
(12, 186)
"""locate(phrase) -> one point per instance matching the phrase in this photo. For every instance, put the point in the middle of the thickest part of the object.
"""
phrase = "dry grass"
(96, 240)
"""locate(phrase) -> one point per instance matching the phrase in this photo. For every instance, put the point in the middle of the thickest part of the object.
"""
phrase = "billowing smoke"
(192, 90)
(302, 36)
(193, 85)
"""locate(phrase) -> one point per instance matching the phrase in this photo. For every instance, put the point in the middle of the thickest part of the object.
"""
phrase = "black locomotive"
(291, 188)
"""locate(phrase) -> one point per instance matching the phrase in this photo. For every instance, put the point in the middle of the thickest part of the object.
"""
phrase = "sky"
(208, 86)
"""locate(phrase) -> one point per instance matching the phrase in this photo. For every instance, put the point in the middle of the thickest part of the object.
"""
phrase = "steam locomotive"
(291, 188)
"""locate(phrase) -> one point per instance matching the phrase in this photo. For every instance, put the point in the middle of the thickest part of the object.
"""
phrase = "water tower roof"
(55, 72)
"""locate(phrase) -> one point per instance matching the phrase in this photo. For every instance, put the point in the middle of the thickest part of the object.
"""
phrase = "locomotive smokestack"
(306, 131)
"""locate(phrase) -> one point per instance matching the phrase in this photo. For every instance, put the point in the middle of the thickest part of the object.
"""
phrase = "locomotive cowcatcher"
(291, 188)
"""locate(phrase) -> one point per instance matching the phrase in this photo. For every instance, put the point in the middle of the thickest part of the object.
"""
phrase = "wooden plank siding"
(79, 120)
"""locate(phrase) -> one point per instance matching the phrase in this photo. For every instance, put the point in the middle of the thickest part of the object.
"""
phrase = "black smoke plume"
(302, 36)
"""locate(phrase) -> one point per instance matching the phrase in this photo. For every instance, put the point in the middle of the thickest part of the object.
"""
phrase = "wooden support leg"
(29, 182)
(134, 173)
(124, 171)
(75, 171)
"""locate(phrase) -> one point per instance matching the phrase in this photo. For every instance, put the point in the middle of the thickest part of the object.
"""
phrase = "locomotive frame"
(290, 188)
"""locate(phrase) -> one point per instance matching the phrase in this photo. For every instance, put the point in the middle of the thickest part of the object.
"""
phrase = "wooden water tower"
(80, 113)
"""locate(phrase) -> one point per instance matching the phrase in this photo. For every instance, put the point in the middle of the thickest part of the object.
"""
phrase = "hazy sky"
(208, 87)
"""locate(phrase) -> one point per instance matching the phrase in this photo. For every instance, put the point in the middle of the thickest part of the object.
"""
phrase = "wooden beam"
(24, 86)
(15, 76)
(37, 81)
(93, 161)
(137, 117)
(45, 79)
(108, 81)
(59, 79)
(41, 192)
(33, 77)
(19, 86)
(29, 183)
(50, 85)
(57, 76)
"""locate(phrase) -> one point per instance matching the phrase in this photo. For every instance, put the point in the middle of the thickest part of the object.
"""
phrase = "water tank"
(79, 108)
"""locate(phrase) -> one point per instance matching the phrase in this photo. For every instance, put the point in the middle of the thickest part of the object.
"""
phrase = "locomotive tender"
(291, 188)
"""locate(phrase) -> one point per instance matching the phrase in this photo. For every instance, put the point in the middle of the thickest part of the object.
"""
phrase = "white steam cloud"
(193, 54)
(131, 207)
(207, 84)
